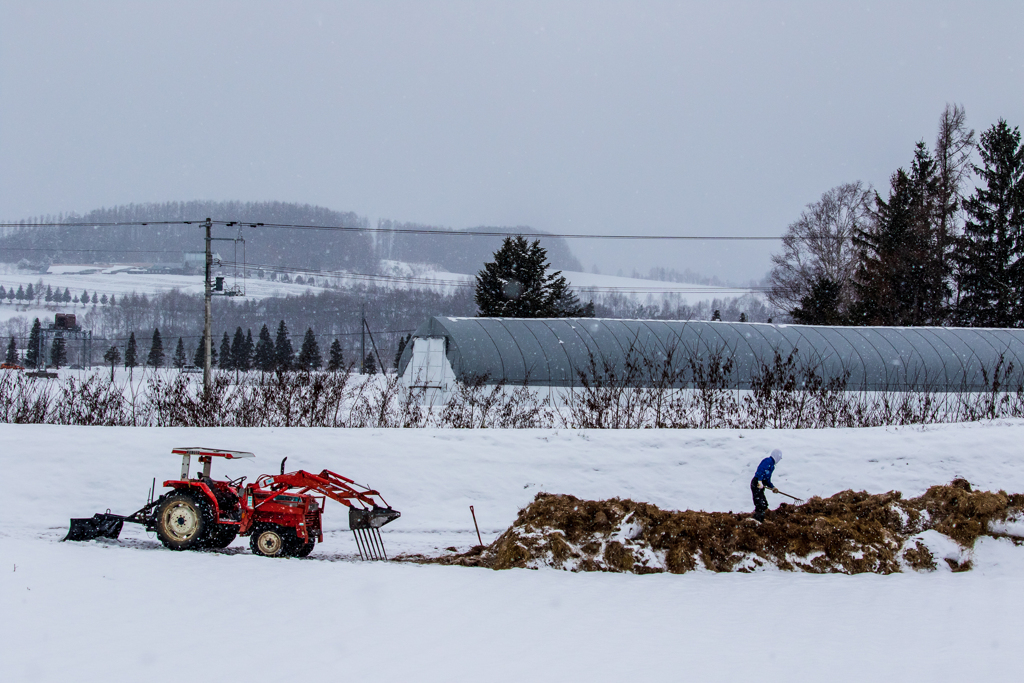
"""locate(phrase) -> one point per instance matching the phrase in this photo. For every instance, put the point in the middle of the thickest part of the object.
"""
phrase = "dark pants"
(760, 502)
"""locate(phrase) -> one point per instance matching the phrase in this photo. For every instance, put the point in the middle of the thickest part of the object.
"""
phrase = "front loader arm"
(327, 483)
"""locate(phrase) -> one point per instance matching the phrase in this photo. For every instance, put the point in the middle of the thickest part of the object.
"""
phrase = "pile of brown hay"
(849, 532)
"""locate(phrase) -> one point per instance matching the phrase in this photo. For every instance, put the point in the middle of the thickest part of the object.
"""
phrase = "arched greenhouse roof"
(560, 351)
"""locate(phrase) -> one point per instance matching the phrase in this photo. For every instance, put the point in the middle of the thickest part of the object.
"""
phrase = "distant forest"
(290, 249)
(333, 314)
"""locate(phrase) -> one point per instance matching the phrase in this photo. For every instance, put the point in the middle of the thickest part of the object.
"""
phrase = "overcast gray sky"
(625, 117)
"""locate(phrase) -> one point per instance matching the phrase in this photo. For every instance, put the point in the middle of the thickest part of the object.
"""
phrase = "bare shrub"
(93, 401)
(713, 403)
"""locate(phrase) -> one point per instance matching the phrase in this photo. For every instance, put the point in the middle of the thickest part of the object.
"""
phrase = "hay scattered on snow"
(849, 532)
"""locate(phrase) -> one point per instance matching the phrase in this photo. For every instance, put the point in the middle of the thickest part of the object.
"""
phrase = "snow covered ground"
(132, 611)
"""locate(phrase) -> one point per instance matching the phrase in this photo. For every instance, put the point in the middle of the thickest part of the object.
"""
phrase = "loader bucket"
(100, 525)
(365, 525)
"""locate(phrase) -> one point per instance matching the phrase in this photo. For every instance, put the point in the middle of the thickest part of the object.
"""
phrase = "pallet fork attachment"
(365, 525)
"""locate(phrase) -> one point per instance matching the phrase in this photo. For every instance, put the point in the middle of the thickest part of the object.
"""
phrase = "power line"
(102, 251)
(397, 231)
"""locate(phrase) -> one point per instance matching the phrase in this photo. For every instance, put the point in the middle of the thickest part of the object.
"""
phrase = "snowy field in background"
(117, 280)
(132, 611)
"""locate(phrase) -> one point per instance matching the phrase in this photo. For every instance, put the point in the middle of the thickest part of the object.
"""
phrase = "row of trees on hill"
(354, 248)
(31, 293)
(931, 252)
(238, 353)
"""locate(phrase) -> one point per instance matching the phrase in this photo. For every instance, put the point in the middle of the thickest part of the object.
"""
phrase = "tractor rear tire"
(221, 535)
(183, 520)
(271, 540)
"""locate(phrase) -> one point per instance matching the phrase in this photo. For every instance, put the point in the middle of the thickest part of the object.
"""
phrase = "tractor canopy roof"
(212, 452)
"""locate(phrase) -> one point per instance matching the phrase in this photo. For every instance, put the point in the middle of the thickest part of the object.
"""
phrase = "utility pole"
(362, 344)
(208, 322)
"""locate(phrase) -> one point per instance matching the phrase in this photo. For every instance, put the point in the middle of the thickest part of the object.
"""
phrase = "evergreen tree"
(821, 305)
(247, 352)
(930, 266)
(309, 353)
(131, 354)
(85, 296)
(48, 297)
(32, 351)
(95, 299)
(264, 354)
(199, 358)
(402, 343)
(563, 302)
(179, 359)
(517, 285)
(112, 356)
(20, 296)
(113, 301)
(12, 352)
(902, 274)
(370, 364)
(991, 249)
(717, 315)
(336, 361)
(67, 296)
(10, 294)
(284, 355)
(29, 292)
(58, 352)
(103, 299)
(3, 292)
(156, 351)
(238, 351)
(225, 353)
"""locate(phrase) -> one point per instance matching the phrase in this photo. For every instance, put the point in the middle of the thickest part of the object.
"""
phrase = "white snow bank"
(132, 611)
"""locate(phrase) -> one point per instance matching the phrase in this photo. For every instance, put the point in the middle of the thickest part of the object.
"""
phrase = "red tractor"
(280, 513)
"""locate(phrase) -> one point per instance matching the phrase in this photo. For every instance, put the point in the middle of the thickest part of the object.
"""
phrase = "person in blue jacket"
(763, 480)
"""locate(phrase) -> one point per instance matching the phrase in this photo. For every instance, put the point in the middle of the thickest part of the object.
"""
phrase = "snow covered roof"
(554, 351)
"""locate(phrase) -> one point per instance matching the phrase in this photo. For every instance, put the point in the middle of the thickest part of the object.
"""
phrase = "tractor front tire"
(271, 540)
(183, 520)
(303, 549)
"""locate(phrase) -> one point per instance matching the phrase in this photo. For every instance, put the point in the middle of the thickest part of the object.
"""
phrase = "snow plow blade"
(100, 525)
(365, 525)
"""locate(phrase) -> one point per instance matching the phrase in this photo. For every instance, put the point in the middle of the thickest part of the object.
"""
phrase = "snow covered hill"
(132, 611)
(121, 279)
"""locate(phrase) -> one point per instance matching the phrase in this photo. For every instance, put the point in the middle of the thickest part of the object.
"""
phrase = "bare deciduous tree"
(819, 244)
(953, 148)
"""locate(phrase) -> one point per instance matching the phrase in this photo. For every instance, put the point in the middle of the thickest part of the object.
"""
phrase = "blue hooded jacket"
(764, 472)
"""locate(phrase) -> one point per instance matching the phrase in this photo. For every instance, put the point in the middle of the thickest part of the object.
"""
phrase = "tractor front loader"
(280, 513)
